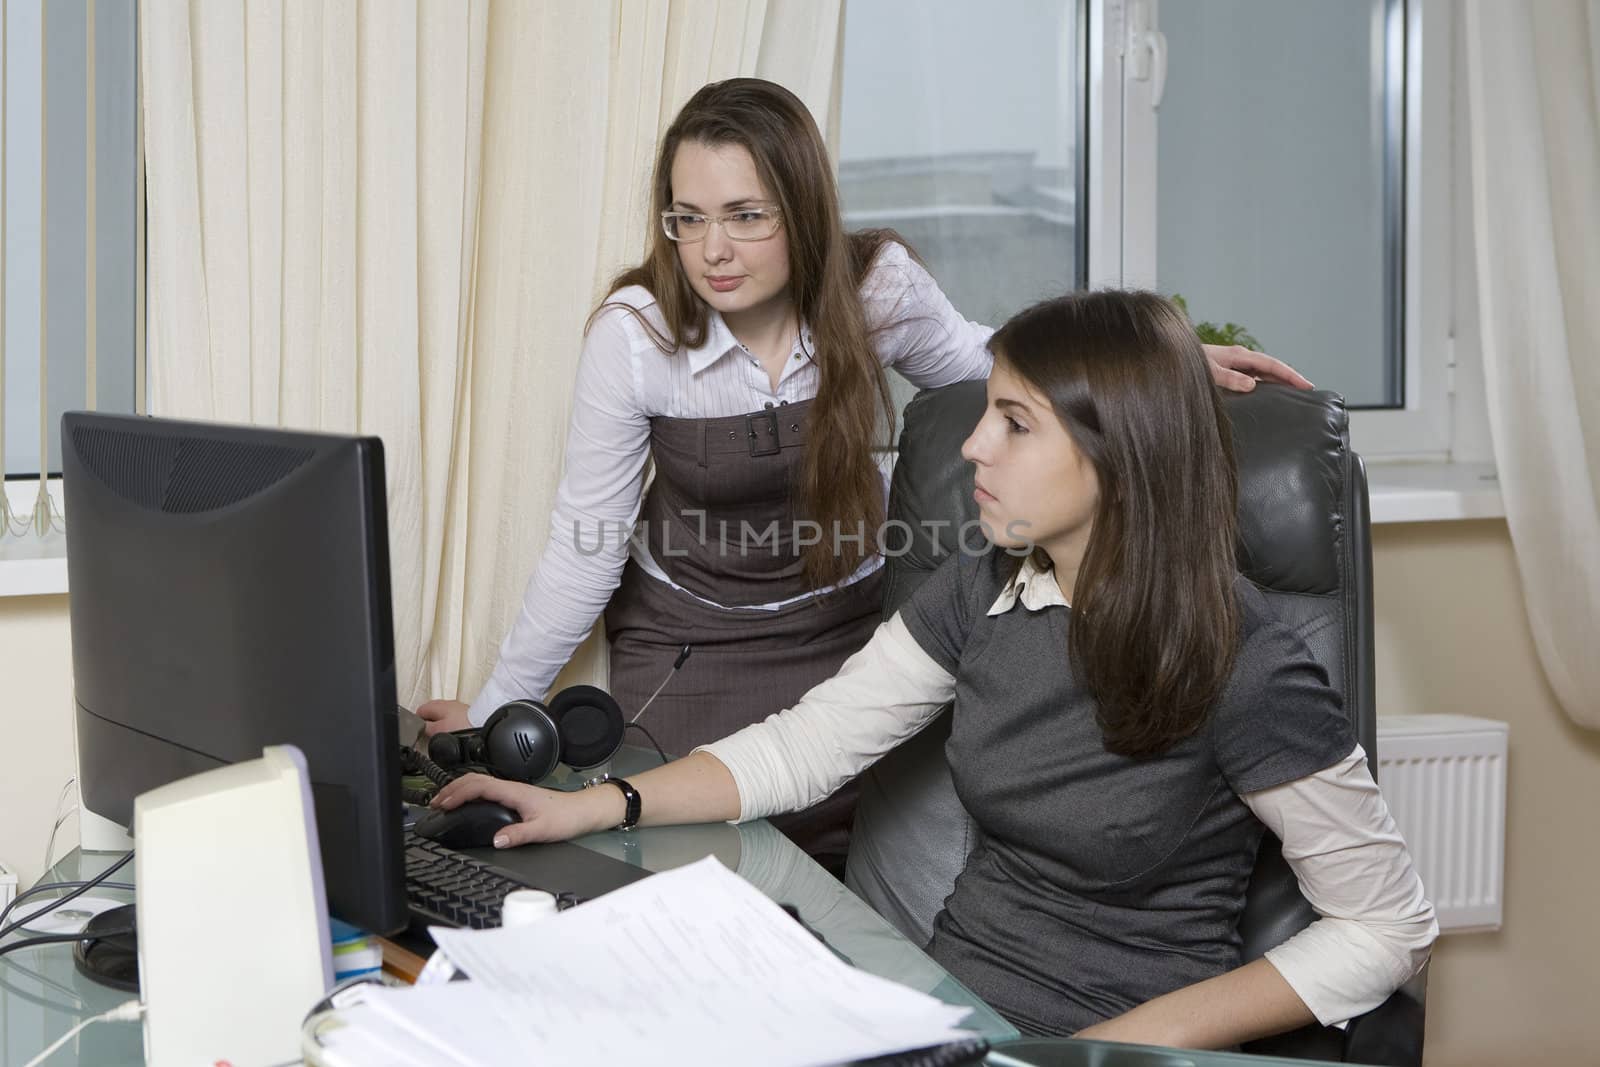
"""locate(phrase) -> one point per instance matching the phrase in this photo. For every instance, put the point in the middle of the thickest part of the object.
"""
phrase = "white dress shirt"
(623, 380)
(1376, 927)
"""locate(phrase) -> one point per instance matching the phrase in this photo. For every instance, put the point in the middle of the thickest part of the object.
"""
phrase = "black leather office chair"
(1304, 538)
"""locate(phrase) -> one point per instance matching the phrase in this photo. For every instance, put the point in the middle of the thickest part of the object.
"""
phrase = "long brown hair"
(839, 487)
(1155, 617)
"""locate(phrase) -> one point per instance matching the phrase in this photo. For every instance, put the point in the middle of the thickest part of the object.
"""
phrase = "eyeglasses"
(749, 224)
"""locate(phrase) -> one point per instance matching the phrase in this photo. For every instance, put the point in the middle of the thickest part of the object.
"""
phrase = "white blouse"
(623, 380)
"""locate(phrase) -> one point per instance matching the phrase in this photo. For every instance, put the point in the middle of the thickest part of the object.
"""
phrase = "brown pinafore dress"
(719, 521)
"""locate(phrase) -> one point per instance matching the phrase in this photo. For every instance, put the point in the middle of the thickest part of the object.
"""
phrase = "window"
(61, 187)
(1278, 195)
(963, 133)
(1296, 178)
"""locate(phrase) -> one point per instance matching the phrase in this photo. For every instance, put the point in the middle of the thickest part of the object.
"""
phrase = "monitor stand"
(96, 833)
(110, 958)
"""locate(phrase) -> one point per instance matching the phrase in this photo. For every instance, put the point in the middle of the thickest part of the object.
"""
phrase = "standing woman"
(746, 357)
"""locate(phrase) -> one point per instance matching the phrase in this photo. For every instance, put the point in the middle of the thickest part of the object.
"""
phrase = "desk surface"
(42, 995)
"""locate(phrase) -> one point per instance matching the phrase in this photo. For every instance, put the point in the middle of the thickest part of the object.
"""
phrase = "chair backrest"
(1304, 539)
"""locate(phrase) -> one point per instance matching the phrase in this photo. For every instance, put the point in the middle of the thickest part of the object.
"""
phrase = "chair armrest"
(1391, 1033)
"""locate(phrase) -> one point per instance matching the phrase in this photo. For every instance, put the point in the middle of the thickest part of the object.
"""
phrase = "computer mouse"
(472, 825)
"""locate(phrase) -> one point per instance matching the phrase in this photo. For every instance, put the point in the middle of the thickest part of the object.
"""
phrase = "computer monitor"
(230, 590)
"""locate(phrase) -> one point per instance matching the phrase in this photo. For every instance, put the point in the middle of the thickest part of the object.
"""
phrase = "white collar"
(719, 342)
(1034, 586)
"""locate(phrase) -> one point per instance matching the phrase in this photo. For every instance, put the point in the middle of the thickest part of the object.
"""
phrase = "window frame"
(25, 481)
(34, 563)
(1122, 206)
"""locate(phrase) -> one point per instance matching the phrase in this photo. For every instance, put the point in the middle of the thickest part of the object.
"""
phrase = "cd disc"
(69, 918)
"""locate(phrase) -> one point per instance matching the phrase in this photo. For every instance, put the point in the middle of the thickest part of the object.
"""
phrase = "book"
(355, 952)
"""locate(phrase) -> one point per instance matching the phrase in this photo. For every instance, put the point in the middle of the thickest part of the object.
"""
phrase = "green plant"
(1229, 333)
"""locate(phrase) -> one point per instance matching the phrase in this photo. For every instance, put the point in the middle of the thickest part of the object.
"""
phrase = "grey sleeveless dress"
(720, 521)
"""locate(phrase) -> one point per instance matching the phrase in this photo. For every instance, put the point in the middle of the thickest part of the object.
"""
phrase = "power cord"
(98, 879)
(45, 887)
(58, 939)
(128, 1011)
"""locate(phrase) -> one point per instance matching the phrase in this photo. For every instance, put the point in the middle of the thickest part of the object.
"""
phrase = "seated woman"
(1129, 718)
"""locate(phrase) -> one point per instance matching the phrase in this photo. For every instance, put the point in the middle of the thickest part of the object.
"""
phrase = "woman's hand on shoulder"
(547, 814)
(442, 716)
(1236, 368)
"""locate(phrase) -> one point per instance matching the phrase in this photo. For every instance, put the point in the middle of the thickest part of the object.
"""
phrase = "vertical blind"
(71, 231)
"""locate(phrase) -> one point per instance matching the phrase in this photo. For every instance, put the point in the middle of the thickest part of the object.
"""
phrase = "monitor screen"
(230, 590)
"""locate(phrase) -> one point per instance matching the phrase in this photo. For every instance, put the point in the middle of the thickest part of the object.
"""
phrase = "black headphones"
(524, 740)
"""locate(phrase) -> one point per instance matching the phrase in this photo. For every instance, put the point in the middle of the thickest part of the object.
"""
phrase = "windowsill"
(31, 565)
(1433, 492)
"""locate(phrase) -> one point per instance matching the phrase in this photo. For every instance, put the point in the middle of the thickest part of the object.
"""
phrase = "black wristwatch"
(630, 817)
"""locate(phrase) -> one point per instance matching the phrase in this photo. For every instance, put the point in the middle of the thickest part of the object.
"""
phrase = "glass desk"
(773, 864)
(42, 995)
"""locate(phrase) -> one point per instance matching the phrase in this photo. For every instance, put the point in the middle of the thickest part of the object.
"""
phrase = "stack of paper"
(690, 966)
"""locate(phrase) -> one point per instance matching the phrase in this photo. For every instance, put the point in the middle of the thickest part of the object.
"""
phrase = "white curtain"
(1533, 81)
(393, 217)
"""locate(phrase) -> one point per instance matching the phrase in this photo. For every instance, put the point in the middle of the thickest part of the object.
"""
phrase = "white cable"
(50, 845)
(61, 799)
(126, 1012)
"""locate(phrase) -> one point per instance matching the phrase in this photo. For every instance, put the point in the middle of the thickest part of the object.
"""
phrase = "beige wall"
(36, 722)
(1453, 637)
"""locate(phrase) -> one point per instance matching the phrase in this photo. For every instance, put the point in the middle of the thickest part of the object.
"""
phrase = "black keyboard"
(449, 888)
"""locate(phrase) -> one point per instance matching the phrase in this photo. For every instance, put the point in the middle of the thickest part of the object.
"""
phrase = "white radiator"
(1444, 778)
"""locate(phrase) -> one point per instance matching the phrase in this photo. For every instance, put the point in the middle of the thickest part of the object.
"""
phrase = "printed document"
(690, 966)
